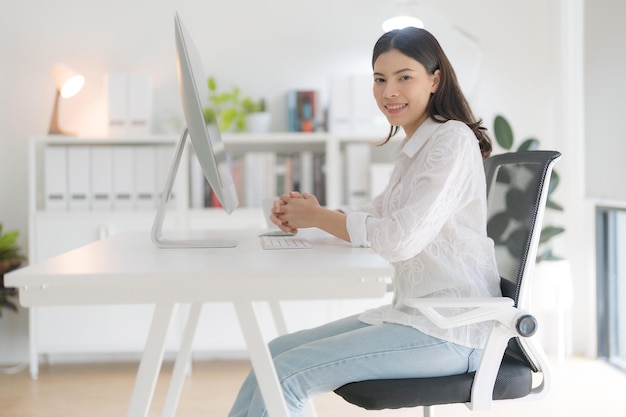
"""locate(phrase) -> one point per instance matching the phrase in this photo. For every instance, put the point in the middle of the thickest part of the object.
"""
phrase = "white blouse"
(430, 223)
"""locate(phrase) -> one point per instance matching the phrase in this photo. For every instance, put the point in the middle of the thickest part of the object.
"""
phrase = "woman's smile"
(394, 108)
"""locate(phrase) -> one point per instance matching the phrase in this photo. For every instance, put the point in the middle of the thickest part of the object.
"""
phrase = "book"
(303, 110)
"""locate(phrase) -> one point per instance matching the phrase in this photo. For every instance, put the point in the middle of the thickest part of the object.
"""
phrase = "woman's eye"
(405, 78)
(379, 80)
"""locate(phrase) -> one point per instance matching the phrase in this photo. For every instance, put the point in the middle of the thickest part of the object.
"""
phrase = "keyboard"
(282, 242)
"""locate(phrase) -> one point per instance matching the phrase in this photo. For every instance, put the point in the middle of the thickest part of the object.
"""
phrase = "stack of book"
(303, 111)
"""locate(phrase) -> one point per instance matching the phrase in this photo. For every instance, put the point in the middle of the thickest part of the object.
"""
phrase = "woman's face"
(402, 88)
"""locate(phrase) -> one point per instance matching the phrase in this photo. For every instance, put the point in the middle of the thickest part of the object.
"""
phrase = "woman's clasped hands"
(294, 210)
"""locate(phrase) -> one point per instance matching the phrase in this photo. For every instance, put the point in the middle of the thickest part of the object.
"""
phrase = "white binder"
(130, 104)
(123, 181)
(139, 104)
(118, 103)
(358, 157)
(55, 177)
(78, 177)
(145, 174)
(102, 177)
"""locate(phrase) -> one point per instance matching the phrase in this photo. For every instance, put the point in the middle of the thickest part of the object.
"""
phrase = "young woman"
(429, 222)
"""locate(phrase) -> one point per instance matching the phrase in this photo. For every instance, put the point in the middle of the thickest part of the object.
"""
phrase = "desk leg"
(151, 361)
(184, 352)
(33, 341)
(281, 327)
(279, 317)
(261, 360)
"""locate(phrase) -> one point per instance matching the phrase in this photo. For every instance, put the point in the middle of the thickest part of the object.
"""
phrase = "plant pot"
(258, 122)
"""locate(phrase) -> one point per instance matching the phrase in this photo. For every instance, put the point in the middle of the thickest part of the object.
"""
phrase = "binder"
(139, 104)
(102, 177)
(306, 172)
(260, 177)
(55, 177)
(118, 104)
(352, 108)
(123, 181)
(358, 157)
(145, 174)
(340, 104)
(130, 104)
(78, 175)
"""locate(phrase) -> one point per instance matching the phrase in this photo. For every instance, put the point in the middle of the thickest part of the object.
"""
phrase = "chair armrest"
(498, 309)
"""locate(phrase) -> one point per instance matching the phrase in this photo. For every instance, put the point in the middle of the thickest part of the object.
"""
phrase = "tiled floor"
(581, 387)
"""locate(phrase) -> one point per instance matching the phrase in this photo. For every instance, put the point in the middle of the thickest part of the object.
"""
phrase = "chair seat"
(514, 380)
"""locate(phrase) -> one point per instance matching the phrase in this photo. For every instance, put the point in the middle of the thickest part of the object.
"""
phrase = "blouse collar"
(415, 142)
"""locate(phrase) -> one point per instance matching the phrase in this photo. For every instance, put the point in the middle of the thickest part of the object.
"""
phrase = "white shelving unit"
(109, 330)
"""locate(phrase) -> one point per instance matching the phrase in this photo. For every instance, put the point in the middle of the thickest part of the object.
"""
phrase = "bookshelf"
(73, 202)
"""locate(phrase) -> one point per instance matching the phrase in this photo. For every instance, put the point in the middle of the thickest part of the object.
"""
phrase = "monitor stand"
(157, 227)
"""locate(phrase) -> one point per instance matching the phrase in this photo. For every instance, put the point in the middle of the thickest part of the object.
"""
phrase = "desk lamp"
(68, 83)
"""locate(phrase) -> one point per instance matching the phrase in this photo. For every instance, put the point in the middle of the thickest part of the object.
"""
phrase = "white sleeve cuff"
(356, 225)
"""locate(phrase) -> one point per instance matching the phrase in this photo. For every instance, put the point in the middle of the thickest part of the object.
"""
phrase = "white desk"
(128, 269)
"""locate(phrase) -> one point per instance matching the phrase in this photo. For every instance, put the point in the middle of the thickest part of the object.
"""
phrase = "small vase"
(258, 122)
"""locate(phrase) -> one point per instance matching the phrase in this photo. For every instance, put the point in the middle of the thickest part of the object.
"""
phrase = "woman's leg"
(287, 342)
(358, 353)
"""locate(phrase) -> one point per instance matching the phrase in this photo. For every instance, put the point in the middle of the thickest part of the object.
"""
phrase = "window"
(612, 285)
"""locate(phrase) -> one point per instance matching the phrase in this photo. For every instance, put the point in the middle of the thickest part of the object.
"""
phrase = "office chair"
(517, 189)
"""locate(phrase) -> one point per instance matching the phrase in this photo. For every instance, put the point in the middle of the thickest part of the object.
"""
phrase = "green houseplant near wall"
(501, 223)
(229, 109)
(10, 259)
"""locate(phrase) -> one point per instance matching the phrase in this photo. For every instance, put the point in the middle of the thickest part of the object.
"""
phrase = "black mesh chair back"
(517, 188)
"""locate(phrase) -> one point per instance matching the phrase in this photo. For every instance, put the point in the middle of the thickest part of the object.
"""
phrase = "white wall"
(605, 92)
(264, 47)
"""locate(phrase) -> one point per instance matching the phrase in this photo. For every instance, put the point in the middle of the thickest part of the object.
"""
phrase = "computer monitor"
(206, 141)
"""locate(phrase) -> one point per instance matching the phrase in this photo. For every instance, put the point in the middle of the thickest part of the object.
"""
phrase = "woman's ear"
(436, 77)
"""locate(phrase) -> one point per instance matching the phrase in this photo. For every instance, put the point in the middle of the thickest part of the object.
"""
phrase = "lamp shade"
(68, 82)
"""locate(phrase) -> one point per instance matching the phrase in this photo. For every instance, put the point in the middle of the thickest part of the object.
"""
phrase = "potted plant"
(258, 119)
(10, 259)
(230, 110)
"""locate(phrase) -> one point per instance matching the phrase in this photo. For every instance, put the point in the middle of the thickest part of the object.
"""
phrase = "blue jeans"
(322, 359)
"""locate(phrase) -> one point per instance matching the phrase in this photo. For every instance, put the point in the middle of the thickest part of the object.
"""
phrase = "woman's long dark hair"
(448, 102)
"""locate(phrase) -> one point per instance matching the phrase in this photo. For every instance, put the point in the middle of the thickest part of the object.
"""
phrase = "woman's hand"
(294, 210)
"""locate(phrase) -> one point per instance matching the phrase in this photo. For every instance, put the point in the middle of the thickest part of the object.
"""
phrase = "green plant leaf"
(530, 144)
(554, 206)
(496, 226)
(547, 255)
(515, 241)
(227, 117)
(555, 180)
(549, 232)
(240, 123)
(503, 132)
(514, 203)
(503, 176)
(209, 116)
(212, 85)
